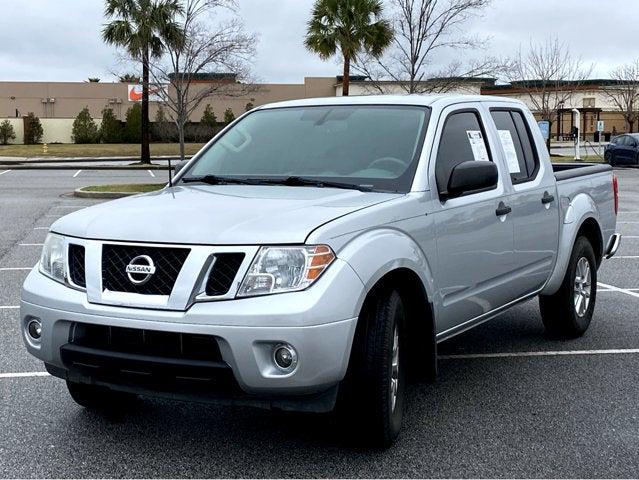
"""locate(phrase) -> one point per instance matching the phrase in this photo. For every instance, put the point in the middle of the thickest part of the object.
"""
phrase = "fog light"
(34, 328)
(285, 357)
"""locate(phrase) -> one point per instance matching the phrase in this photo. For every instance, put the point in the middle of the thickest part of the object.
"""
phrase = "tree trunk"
(146, 153)
(181, 135)
(346, 81)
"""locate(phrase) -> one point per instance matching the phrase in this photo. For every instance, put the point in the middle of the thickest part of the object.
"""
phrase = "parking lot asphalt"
(509, 401)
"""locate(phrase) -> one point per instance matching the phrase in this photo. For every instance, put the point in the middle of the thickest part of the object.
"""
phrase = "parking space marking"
(624, 257)
(151, 173)
(41, 228)
(77, 173)
(24, 374)
(14, 269)
(627, 222)
(31, 244)
(617, 289)
(556, 353)
(9, 307)
(70, 206)
(6, 171)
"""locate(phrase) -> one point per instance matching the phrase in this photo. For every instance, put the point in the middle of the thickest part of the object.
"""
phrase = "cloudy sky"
(59, 40)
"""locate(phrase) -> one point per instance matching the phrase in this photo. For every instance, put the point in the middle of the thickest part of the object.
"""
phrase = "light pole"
(576, 124)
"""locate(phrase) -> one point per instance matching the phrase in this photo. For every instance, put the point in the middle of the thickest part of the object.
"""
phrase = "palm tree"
(350, 26)
(143, 28)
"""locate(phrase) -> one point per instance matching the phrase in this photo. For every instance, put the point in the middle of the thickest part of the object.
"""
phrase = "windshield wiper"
(303, 182)
(217, 180)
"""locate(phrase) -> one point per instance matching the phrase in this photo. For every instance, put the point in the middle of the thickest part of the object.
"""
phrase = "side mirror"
(179, 166)
(471, 176)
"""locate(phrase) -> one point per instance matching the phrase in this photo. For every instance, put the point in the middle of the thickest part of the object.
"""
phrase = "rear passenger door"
(535, 206)
(474, 242)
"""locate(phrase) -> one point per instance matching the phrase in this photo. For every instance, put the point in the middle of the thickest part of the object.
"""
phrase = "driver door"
(474, 242)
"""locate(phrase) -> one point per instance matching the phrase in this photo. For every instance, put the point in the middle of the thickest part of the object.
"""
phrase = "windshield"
(372, 147)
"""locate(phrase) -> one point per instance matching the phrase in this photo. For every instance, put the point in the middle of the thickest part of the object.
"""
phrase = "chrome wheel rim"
(583, 287)
(394, 377)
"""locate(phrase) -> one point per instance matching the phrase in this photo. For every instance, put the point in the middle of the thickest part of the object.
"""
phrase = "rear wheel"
(372, 395)
(99, 398)
(568, 312)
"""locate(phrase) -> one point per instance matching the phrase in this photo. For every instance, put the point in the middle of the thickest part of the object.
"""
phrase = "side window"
(521, 156)
(462, 140)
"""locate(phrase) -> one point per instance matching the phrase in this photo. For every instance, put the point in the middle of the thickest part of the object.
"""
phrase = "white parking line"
(70, 206)
(9, 307)
(77, 173)
(31, 244)
(612, 351)
(151, 173)
(14, 269)
(624, 257)
(617, 289)
(626, 222)
(6, 171)
(41, 228)
(24, 374)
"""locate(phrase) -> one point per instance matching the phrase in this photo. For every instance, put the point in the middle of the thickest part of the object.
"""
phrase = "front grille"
(223, 273)
(185, 346)
(77, 265)
(159, 361)
(168, 263)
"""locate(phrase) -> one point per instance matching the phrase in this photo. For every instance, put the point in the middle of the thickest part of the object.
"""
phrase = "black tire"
(559, 311)
(366, 397)
(609, 158)
(99, 398)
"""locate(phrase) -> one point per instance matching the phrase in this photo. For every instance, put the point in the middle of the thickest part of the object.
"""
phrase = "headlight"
(285, 269)
(53, 262)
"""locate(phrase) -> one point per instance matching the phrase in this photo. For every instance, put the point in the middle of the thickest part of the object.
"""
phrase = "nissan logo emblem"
(140, 269)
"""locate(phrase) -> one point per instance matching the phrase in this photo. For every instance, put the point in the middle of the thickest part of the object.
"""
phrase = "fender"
(377, 252)
(578, 211)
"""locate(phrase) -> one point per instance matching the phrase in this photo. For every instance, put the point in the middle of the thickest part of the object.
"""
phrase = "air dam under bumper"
(323, 347)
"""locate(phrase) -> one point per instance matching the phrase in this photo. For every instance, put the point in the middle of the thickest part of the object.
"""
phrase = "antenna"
(170, 173)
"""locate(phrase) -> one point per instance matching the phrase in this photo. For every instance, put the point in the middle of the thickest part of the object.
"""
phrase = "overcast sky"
(59, 40)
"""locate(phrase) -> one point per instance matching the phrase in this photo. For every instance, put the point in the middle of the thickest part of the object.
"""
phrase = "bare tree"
(225, 48)
(423, 28)
(624, 93)
(549, 75)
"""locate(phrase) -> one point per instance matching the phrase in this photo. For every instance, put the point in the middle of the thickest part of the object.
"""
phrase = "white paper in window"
(477, 145)
(509, 150)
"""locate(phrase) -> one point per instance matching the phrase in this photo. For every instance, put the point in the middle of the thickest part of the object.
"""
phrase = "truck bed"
(565, 171)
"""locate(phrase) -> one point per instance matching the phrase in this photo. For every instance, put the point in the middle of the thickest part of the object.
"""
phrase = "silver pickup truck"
(315, 251)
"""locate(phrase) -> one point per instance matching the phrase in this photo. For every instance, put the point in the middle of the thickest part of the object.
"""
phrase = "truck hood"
(217, 214)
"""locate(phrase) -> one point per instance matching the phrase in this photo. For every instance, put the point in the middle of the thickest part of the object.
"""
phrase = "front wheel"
(568, 312)
(372, 395)
(609, 158)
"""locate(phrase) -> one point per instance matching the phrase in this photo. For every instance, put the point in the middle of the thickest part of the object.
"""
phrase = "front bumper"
(318, 322)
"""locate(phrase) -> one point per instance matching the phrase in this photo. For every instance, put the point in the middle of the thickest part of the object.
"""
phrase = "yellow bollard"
(45, 148)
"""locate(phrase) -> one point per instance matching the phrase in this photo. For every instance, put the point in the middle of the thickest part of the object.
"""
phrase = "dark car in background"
(623, 150)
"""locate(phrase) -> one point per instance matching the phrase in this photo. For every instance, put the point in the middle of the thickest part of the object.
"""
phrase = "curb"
(78, 192)
(82, 167)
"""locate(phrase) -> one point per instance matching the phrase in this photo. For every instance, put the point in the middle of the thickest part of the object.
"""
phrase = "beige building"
(58, 103)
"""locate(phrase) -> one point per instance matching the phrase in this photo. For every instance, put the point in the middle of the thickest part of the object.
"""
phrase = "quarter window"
(462, 140)
(521, 156)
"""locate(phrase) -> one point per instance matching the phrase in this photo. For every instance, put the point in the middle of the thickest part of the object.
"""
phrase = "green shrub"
(229, 116)
(111, 127)
(133, 125)
(85, 129)
(33, 131)
(208, 117)
(249, 106)
(162, 128)
(7, 133)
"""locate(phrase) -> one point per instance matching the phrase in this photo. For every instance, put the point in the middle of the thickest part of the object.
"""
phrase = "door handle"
(547, 198)
(502, 209)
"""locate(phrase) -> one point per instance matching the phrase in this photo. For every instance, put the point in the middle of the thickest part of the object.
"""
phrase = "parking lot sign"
(600, 125)
(544, 126)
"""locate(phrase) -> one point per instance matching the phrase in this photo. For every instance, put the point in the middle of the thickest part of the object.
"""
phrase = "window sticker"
(509, 150)
(478, 146)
